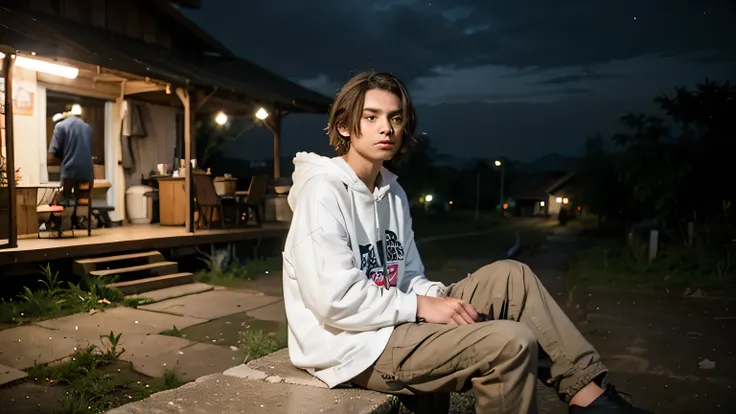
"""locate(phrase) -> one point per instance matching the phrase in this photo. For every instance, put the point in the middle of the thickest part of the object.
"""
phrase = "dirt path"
(672, 354)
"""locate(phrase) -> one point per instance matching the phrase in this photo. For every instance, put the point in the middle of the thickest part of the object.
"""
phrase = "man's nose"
(386, 127)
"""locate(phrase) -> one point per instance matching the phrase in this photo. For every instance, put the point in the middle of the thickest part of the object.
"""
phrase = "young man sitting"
(360, 309)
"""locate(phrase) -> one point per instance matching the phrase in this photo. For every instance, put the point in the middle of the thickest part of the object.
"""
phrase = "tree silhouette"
(651, 164)
(601, 191)
(707, 116)
(417, 172)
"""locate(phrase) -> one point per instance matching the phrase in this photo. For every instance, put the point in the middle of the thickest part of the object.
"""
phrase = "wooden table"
(26, 198)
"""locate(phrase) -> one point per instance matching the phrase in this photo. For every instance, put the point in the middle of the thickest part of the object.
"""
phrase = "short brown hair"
(347, 109)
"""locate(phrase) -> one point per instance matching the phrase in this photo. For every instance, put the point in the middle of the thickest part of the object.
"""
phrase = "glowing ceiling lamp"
(262, 114)
(221, 118)
(51, 68)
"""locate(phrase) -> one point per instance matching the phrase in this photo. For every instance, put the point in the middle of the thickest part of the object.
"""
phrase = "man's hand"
(447, 311)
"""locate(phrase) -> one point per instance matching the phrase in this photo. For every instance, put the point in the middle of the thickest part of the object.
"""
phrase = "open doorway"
(93, 112)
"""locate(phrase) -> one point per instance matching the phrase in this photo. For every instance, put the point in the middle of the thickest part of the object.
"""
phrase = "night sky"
(518, 79)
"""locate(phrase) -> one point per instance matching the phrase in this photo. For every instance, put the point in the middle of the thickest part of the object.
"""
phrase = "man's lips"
(385, 142)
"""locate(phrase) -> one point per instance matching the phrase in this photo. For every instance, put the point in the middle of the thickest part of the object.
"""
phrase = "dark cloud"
(515, 78)
(303, 39)
(563, 80)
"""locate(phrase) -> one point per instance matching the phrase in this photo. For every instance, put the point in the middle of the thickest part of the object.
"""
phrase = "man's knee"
(511, 338)
(507, 269)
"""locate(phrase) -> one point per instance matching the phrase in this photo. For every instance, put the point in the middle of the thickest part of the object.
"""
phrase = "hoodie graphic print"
(351, 270)
(389, 248)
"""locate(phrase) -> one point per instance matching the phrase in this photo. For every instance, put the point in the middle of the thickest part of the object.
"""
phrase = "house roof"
(238, 76)
(541, 186)
(180, 19)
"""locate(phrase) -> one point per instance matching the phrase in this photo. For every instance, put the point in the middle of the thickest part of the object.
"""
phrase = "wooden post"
(273, 123)
(10, 151)
(183, 95)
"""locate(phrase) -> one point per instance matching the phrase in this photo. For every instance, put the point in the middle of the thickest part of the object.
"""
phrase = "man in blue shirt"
(71, 148)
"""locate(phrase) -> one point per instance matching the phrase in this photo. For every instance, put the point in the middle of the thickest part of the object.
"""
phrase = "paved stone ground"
(149, 352)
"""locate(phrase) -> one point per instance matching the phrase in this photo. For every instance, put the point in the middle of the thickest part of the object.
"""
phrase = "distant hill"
(547, 163)
(550, 163)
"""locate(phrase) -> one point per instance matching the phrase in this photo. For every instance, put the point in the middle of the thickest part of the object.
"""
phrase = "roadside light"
(565, 201)
(428, 198)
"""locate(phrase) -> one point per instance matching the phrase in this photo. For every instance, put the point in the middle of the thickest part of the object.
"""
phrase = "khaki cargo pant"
(498, 357)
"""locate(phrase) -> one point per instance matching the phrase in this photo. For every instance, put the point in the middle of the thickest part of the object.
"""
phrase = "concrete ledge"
(219, 393)
(272, 385)
(275, 368)
(267, 385)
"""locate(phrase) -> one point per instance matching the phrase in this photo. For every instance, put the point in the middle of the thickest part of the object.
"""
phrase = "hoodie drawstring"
(353, 237)
(381, 238)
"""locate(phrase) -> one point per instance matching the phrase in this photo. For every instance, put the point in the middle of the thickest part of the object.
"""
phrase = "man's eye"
(397, 119)
(370, 118)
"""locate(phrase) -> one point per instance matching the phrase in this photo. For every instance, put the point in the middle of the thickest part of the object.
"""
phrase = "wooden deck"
(129, 238)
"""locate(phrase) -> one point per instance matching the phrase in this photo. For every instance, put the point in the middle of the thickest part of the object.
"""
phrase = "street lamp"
(501, 165)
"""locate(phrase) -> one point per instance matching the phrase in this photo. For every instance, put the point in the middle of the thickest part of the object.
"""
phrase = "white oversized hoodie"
(351, 268)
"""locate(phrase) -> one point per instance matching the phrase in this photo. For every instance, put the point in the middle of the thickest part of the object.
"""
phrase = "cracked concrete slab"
(123, 320)
(275, 312)
(24, 346)
(190, 362)
(213, 304)
(174, 292)
(10, 374)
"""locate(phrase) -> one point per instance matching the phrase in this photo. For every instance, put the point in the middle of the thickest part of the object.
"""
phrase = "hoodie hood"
(308, 165)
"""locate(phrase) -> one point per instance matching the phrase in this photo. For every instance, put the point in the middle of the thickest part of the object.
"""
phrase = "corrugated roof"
(102, 48)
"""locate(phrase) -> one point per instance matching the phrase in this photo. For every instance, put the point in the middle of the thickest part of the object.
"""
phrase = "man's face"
(380, 127)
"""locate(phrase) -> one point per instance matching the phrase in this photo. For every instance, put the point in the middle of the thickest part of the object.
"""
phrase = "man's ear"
(343, 131)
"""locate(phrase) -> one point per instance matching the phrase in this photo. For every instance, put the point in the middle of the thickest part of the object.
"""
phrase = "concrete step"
(218, 393)
(156, 283)
(174, 292)
(139, 272)
(84, 267)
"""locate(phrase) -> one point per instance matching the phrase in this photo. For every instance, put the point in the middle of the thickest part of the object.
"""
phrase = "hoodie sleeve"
(414, 273)
(330, 283)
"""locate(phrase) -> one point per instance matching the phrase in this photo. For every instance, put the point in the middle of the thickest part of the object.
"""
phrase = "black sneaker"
(610, 402)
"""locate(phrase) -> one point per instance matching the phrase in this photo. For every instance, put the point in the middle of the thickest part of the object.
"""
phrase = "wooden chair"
(50, 215)
(251, 201)
(74, 194)
(83, 194)
(207, 199)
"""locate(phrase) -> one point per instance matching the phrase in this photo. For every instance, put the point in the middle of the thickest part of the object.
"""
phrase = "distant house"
(544, 194)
